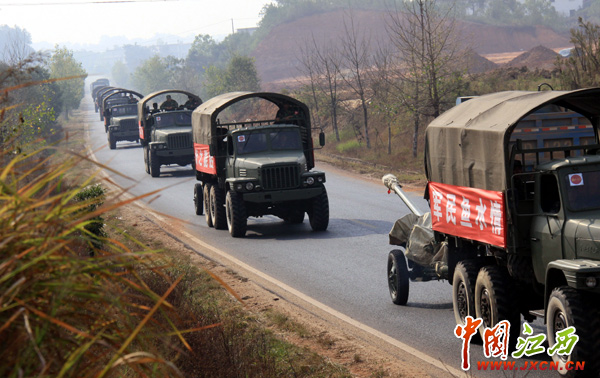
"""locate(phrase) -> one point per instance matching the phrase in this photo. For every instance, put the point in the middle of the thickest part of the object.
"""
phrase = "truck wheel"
(217, 208)
(154, 163)
(198, 200)
(397, 273)
(111, 141)
(495, 301)
(146, 159)
(463, 290)
(207, 213)
(319, 213)
(235, 210)
(566, 308)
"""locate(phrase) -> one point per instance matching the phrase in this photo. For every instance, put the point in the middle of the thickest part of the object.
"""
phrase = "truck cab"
(166, 135)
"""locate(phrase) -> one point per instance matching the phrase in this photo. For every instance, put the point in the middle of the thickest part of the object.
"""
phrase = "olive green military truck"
(254, 157)
(514, 193)
(121, 119)
(166, 135)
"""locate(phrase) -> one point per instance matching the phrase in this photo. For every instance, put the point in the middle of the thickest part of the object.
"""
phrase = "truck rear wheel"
(235, 210)
(397, 272)
(318, 215)
(217, 208)
(567, 307)
(154, 163)
(463, 290)
(198, 200)
(495, 301)
(208, 212)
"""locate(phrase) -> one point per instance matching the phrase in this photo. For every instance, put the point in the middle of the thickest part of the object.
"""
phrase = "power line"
(83, 2)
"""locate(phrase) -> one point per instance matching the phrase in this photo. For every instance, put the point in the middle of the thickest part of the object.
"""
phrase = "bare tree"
(582, 68)
(427, 44)
(319, 64)
(353, 67)
(326, 62)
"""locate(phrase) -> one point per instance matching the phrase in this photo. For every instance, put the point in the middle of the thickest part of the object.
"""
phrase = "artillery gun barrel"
(392, 183)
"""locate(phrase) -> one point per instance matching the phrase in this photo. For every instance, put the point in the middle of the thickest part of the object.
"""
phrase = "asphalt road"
(343, 268)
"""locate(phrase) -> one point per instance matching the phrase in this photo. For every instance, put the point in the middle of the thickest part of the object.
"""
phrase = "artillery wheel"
(495, 302)
(397, 273)
(198, 200)
(567, 307)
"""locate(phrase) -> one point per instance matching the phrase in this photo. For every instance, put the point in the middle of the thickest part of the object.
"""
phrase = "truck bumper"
(283, 195)
(126, 135)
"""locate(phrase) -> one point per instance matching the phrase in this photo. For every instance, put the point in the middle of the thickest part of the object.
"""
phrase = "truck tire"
(198, 200)
(154, 163)
(112, 141)
(463, 291)
(495, 301)
(217, 208)
(318, 215)
(397, 273)
(235, 211)
(207, 213)
(146, 159)
(567, 307)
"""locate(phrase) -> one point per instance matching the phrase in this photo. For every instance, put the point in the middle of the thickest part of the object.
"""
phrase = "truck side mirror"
(321, 139)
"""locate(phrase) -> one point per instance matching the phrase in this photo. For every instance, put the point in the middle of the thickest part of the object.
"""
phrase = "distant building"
(567, 7)
(247, 30)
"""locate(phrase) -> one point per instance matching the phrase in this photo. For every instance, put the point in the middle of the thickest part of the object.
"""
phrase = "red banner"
(469, 213)
(141, 130)
(204, 162)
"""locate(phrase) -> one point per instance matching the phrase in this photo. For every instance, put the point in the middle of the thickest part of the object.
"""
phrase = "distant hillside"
(277, 54)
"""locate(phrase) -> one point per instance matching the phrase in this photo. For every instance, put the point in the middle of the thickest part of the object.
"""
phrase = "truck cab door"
(546, 226)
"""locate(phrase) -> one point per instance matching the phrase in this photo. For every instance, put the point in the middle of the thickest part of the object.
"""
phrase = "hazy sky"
(85, 21)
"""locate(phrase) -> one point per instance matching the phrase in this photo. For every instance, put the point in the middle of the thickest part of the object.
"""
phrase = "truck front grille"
(129, 124)
(281, 177)
(178, 141)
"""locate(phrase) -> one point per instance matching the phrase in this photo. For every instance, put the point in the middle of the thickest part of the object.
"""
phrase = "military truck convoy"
(166, 134)
(261, 165)
(513, 189)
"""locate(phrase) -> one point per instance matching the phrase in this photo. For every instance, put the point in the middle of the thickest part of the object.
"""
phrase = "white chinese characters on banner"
(481, 213)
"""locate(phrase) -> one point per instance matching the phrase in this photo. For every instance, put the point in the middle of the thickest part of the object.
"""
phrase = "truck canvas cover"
(468, 144)
(206, 115)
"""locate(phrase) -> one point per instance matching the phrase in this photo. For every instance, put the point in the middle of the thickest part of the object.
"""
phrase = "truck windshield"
(582, 190)
(124, 110)
(285, 140)
(250, 143)
(172, 119)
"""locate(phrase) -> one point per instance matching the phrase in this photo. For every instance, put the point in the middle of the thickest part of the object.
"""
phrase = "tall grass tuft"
(63, 313)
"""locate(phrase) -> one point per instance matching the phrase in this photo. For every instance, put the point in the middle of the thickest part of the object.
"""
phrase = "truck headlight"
(310, 180)
(249, 186)
(591, 282)
(320, 179)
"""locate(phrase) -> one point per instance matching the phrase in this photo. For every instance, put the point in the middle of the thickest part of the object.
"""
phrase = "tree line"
(37, 87)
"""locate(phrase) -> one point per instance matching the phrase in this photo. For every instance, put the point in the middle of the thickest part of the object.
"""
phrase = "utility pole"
(232, 29)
